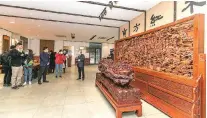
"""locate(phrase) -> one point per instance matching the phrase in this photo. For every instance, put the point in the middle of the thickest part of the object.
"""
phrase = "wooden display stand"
(177, 96)
(120, 108)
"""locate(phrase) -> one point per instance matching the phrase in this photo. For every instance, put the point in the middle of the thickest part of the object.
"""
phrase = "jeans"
(58, 69)
(27, 73)
(7, 75)
(42, 72)
(17, 73)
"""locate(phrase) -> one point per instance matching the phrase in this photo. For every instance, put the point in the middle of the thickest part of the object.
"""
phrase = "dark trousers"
(65, 67)
(7, 75)
(42, 73)
(81, 70)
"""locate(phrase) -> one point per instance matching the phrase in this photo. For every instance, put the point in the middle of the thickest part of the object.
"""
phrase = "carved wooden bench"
(120, 108)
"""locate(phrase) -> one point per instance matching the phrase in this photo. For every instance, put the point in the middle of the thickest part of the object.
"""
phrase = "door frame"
(95, 55)
(5, 37)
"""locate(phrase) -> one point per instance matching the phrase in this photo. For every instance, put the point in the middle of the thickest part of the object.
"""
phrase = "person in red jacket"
(59, 60)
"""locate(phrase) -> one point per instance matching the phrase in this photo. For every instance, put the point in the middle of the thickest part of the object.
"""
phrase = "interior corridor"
(64, 98)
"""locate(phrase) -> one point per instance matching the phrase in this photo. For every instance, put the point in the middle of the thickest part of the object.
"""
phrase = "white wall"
(106, 49)
(58, 45)
(14, 38)
(4, 32)
(34, 44)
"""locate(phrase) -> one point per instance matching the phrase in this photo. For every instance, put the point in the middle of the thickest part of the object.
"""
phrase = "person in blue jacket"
(44, 62)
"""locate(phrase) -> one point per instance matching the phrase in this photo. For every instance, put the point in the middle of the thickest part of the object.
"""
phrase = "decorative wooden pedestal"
(120, 107)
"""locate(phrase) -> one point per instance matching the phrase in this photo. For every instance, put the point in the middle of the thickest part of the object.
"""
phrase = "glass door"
(98, 55)
(92, 54)
(95, 55)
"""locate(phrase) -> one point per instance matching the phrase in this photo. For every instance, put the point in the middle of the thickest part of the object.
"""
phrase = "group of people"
(17, 63)
(14, 62)
(50, 60)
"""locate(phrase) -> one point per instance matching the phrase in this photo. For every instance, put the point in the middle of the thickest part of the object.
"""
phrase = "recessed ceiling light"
(38, 25)
(12, 22)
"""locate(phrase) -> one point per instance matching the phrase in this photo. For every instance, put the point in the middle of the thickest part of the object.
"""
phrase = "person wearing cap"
(17, 59)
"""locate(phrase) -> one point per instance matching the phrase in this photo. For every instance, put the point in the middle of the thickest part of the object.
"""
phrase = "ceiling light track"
(110, 38)
(56, 12)
(92, 37)
(58, 21)
(114, 6)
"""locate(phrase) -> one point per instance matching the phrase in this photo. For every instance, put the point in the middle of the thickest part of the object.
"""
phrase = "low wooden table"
(120, 108)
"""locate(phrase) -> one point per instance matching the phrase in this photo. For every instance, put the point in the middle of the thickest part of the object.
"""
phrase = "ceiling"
(46, 19)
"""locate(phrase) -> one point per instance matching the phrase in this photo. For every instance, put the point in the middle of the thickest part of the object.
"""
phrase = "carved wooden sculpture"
(120, 73)
(113, 81)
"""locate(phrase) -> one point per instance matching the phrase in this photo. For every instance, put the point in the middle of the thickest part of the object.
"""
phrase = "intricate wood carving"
(127, 95)
(168, 50)
(119, 107)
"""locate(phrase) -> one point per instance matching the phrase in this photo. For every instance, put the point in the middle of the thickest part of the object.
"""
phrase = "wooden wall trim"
(175, 11)
(202, 71)
(145, 21)
(119, 34)
(129, 29)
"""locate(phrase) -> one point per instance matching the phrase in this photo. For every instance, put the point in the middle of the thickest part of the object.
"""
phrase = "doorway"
(95, 52)
(6, 43)
(24, 40)
(46, 43)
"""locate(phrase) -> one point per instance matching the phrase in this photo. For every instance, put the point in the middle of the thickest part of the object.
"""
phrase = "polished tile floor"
(63, 98)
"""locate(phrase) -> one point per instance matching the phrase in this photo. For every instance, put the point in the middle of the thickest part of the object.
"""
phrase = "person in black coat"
(65, 53)
(5, 61)
(52, 61)
(17, 61)
(44, 63)
(80, 65)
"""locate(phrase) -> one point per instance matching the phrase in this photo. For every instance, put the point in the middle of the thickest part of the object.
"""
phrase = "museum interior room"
(102, 59)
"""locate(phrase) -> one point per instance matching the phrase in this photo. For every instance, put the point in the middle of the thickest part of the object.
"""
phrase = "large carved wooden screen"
(167, 50)
(166, 61)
